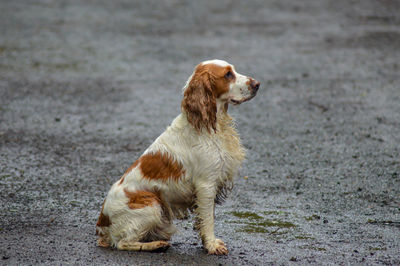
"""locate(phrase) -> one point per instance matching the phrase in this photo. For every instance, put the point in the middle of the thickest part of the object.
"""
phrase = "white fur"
(216, 62)
(210, 161)
(238, 90)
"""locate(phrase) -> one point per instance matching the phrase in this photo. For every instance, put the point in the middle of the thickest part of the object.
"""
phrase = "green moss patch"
(254, 223)
(247, 215)
(313, 217)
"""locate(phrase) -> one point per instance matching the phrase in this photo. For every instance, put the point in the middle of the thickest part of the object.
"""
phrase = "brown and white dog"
(188, 167)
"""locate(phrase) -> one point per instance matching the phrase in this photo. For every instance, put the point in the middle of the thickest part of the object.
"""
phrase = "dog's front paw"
(216, 247)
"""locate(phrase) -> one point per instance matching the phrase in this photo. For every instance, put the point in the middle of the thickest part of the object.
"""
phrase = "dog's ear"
(199, 102)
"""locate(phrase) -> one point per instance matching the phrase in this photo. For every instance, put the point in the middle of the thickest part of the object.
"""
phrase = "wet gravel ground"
(86, 86)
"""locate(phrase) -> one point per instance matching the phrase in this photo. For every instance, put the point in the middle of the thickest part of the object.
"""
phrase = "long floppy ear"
(199, 102)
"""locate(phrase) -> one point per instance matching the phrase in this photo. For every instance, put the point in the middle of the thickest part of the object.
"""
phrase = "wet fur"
(189, 167)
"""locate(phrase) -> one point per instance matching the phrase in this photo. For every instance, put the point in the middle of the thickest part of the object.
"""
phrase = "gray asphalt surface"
(86, 86)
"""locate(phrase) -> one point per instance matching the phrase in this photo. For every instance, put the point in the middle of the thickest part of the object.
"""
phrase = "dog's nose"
(255, 85)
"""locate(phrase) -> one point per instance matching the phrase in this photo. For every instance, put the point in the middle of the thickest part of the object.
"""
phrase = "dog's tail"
(102, 229)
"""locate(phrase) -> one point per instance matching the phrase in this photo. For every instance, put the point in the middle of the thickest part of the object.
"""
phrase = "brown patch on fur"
(140, 199)
(103, 242)
(159, 166)
(128, 171)
(218, 79)
(103, 220)
(131, 167)
(199, 100)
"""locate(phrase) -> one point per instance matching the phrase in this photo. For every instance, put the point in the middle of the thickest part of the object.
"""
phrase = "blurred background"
(86, 86)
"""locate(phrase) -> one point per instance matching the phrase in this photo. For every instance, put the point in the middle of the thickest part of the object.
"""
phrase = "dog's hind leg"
(143, 246)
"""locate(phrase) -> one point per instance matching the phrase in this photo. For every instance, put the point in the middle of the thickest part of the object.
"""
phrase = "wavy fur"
(189, 167)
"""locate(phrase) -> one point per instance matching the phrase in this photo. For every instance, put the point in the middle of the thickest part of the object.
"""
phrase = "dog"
(189, 167)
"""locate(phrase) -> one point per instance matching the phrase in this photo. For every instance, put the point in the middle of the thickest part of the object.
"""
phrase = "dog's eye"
(229, 75)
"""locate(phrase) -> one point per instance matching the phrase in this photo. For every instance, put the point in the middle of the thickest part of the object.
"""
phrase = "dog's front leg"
(205, 197)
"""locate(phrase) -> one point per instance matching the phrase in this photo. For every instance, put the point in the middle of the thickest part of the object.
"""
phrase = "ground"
(86, 86)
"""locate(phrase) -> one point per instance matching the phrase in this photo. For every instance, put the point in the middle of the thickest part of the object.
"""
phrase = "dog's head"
(215, 82)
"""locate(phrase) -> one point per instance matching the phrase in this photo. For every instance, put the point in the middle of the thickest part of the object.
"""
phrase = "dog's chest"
(230, 150)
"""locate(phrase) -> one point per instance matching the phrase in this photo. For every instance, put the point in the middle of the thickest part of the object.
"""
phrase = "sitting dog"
(189, 167)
